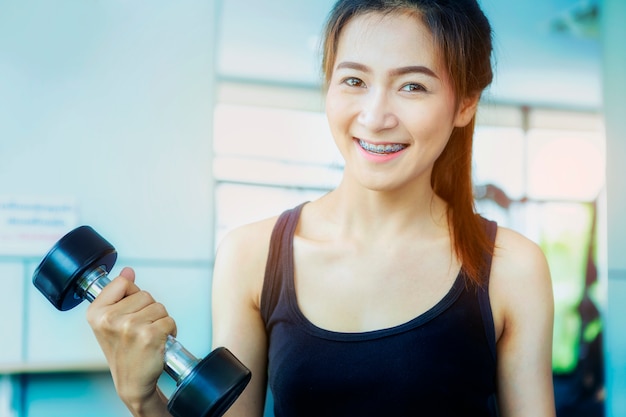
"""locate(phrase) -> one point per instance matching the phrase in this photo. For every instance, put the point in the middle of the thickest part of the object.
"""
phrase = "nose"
(376, 112)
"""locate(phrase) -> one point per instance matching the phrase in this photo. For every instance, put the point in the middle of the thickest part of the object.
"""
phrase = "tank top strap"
(491, 229)
(277, 266)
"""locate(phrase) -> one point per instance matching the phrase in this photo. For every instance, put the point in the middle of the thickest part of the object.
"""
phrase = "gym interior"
(163, 125)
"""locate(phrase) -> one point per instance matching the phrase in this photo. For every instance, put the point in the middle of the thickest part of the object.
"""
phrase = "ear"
(467, 110)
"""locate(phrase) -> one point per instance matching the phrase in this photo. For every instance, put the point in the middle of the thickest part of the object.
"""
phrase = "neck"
(356, 212)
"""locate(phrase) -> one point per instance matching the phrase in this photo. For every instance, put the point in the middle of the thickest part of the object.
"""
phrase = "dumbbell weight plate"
(212, 386)
(72, 255)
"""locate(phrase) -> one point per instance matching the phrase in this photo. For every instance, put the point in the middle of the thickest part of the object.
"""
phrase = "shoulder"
(517, 256)
(520, 283)
(241, 258)
(248, 240)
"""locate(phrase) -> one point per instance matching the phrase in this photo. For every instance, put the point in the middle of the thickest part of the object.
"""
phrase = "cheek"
(430, 133)
(435, 122)
(335, 112)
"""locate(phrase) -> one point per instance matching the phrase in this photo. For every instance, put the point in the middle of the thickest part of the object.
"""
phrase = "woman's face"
(390, 104)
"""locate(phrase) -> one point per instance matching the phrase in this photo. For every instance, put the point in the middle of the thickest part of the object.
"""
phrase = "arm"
(522, 300)
(237, 324)
(131, 329)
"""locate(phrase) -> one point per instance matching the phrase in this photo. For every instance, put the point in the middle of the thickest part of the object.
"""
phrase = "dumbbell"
(77, 267)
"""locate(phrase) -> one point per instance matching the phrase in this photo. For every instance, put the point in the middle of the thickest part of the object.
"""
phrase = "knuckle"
(102, 321)
(169, 323)
(151, 336)
(145, 297)
(121, 285)
(173, 329)
(126, 324)
(144, 333)
(160, 309)
(129, 328)
(92, 316)
(107, 320)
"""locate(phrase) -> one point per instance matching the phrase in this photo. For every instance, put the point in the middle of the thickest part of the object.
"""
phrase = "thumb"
(118, 288)
(128, 273)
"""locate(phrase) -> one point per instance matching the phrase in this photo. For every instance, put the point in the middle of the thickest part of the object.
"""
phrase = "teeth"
(390, 148)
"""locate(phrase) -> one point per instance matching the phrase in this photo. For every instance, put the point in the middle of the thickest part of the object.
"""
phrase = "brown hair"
(463, 35)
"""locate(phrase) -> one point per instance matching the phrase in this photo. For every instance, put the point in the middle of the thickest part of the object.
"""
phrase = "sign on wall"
(31, 225)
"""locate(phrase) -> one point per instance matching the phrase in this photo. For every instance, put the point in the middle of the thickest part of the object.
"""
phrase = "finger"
(151, 325)
(128, 273)
(143, 307)
(167, 326)
(155, 315)
(116, 290)
(126, 316)
(132, 303)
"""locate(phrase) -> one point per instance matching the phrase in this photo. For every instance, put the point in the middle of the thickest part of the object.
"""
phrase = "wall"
(614, 13)
(108, 106)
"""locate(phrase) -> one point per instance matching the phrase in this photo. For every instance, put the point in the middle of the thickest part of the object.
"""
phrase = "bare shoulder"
(520, 283)
(250, 240)
(242, 255)
(517, 257)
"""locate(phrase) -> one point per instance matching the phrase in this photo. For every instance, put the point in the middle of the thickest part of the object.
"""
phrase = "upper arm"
(237, 324)
(521, 292)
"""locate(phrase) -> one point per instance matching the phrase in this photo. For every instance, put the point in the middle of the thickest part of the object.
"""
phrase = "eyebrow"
(411, 69)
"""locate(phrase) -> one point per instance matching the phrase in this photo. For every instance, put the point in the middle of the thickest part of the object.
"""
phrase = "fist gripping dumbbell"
(77, 267)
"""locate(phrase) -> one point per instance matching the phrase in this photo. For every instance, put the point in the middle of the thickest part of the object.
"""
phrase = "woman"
(387, 296)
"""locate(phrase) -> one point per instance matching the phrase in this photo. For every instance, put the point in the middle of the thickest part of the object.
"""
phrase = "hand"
(131, 329)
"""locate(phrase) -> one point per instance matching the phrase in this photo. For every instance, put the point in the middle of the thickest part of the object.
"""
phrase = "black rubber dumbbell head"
(211, 387)
(74, 255)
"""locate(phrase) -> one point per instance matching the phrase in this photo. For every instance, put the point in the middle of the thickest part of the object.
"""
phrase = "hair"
(463, 36)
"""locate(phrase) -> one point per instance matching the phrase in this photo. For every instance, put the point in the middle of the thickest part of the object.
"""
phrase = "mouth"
(386, 149)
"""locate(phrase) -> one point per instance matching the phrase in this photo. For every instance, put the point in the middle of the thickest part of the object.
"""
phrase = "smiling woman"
(428, 105)
(354, 275)
(388, 295)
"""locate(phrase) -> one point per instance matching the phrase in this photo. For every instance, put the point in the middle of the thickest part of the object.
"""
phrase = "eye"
(414, 88)
(353, 82)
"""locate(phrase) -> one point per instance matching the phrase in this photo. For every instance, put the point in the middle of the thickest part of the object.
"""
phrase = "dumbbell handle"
(177, 362)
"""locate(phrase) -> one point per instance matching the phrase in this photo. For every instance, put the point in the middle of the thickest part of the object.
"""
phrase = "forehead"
(394, 40)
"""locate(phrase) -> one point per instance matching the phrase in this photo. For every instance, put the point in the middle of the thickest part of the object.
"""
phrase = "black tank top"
(441, 363)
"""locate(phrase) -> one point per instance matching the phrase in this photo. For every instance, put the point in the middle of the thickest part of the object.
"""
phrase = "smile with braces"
(382, 149)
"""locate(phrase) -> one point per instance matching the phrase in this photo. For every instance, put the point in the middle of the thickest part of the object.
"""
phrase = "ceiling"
(547, 52)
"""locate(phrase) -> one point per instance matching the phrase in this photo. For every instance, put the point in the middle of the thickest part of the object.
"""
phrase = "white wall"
(108, 104)
(111, 102)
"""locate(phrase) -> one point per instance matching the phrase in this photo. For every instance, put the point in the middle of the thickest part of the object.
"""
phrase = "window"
(545, 182)
(268, 160)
